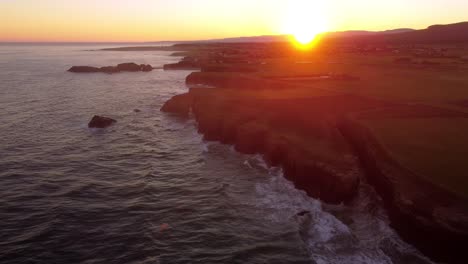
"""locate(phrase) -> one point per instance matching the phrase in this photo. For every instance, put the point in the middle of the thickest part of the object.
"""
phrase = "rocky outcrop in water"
(179, 104)
(101, 122)
(85, 69)
(123, 67)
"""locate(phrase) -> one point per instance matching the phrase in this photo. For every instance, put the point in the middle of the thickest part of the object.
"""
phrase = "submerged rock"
(101, 122)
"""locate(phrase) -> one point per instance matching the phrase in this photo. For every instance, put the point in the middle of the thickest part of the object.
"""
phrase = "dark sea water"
(149, 190)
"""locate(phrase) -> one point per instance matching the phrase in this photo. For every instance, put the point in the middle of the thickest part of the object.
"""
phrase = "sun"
(304, 20)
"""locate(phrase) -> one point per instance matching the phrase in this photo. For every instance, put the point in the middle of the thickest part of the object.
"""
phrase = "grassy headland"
(389, 110)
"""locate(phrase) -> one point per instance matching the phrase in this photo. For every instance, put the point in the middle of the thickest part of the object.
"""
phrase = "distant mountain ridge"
(451, 33)
(436, 34)
(282, 38)
(352, 33)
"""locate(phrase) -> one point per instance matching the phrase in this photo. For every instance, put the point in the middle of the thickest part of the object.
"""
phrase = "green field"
(414, 109)
(434, 148)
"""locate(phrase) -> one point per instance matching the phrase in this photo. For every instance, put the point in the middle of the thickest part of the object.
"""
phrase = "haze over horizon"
(157, 20)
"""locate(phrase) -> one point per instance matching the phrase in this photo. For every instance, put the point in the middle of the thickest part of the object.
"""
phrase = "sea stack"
(101, 122)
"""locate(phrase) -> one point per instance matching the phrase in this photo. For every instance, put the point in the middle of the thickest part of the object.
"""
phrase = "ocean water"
(149, 189)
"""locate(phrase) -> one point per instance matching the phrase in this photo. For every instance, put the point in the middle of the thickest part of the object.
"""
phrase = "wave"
(354, 233)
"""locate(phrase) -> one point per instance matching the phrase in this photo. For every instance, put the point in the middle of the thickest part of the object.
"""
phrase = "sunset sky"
(155, 20)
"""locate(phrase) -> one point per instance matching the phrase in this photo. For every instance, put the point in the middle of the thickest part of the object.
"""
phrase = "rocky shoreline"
(430, 217)
(333, 181)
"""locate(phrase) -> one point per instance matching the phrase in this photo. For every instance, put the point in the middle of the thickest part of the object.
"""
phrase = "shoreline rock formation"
(344, 113)
(123, 67)
(434, 220)
(429, 216)
(333, 179)
(101, 122)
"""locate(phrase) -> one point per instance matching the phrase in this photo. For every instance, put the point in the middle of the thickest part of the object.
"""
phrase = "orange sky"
(154, 20)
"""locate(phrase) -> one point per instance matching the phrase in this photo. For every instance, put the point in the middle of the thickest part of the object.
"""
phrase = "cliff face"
(435, 220)
(341, 111)
(314, 155)
(252, 129)
(179, 104)
(323, 151)
(235, 80)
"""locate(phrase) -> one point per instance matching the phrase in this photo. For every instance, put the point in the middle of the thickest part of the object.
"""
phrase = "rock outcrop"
(123, 67)
(182, 65)
(101, 122)
(146, 68)
(109, 69)
(84, 69)
(179, 104)
(130, 67)
(327, 140)
(330, 178)
(326, 157)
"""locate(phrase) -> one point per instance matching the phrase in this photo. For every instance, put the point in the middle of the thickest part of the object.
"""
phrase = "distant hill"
(283, 38)
(353, 33)
(452, 33)
(256, 39)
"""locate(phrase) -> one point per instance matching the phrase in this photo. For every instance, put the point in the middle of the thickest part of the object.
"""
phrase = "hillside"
(436, 34)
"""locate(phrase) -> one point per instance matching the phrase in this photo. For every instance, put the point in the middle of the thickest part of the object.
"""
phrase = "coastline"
(423, 213)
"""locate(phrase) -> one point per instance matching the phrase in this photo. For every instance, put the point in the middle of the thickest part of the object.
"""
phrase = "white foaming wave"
(205, 145)
(261, 161)
(255, 162)
(232, 149)
(327, 238)
(363, 236)
(280, 194)
(247, 163)
(97, 131)
(191, 122)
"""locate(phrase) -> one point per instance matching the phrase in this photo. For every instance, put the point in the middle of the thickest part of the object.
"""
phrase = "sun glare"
(304, 19)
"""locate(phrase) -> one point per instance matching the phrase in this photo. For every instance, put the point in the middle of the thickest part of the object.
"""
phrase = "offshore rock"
(84, 69)
(130, 66)
(123, 67)
(101, 122)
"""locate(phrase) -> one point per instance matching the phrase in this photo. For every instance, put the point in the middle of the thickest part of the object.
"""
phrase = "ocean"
(149, 189)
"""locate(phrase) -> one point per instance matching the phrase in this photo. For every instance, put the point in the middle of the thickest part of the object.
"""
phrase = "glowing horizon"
(176, 20)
